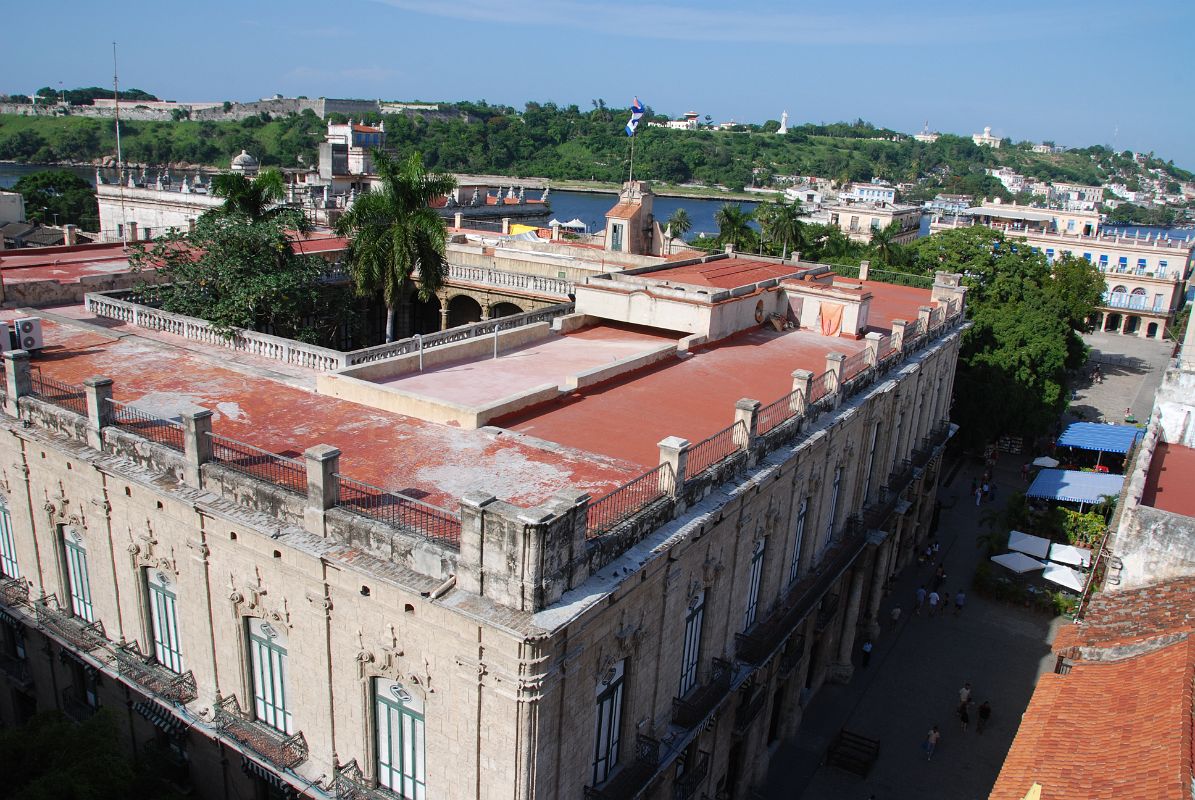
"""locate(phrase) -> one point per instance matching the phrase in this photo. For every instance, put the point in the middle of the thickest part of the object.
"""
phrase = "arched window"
(1138, 291)
(1120, 289)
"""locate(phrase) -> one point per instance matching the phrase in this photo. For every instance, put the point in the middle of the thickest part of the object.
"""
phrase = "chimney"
(69, 233)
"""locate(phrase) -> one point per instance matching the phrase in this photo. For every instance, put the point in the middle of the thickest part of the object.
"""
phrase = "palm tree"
(679, 223)
(733, 224)
(781, 222)
(883, 241)
(394, 232)
(256, 198)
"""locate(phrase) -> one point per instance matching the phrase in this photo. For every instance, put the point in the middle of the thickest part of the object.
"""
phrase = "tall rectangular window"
(693, 620)
(794, 566)
(753, 585)
(401, 740)
(871, 458)
(76, 575)
(1162, 269)
(267, 653)
(608, 734)
(833, 503)
(163, 615)
(8, 547)
(616, 238)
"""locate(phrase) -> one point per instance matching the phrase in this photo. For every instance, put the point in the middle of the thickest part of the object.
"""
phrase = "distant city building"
(12, 207)
(869, 193)
(809, 195)
(859, 220)
(688, 122)
(986, 139)
(949, 203)
(1144, 275)
(926, 135)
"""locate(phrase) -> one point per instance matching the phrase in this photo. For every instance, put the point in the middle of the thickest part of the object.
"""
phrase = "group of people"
(983, 714)
(985, 490)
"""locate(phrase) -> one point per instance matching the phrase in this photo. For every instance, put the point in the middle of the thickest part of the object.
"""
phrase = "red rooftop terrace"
(578, 404)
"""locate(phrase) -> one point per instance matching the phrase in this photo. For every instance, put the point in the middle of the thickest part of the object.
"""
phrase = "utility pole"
(124, 237)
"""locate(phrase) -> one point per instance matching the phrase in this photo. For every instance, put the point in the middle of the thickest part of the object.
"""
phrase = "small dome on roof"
(245, 163)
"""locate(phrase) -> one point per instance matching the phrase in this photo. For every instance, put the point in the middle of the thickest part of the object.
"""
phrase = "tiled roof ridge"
(1124, 652)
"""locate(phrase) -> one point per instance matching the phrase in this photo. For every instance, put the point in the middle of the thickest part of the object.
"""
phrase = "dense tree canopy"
(58, 196)
(1012, 373)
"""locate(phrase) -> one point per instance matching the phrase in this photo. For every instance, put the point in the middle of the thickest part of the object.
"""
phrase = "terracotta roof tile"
(623, 211)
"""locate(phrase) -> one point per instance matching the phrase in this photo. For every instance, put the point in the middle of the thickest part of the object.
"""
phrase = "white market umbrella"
(1046, 461)
(1035, 546)
(1064, 576)
(1018, 562)
(1069, 554)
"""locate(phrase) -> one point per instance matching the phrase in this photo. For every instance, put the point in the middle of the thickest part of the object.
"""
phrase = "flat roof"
(727, 273)
(1168, 482)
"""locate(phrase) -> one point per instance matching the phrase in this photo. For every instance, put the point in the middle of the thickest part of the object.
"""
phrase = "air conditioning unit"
(29, 335)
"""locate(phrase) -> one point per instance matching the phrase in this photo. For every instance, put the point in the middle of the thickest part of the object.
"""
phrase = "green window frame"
(76, 574)
(608, 733)
(8, 547)
(401, 740)
(163, 615)
(268, 657)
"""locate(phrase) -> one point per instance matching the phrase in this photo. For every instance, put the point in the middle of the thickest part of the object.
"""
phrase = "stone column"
(323, 487)
(197, 445)
(864, 270)
(69, 235)
(836, 364)
(898, 334)
(802, 382)
(672, 451)
(470, 574)
(746, 411)
(505, 226)
(443, 318)
(923, 315)
(842, 669)
(98, 391)
(17, 378)
(879, 577)
(458, 220)
(872, 340)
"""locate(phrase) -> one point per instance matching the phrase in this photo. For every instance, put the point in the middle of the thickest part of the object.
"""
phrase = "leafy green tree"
(679, 223)
(393, 232)
(781, 222)
(60, 195)
(237, 272)
(734, 225)
(255, 197)
(1012, 374)
(883, 242)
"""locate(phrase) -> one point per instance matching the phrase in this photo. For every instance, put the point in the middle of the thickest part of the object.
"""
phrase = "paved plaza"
(919, 665)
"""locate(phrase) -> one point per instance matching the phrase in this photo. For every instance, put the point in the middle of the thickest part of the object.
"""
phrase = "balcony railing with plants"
(153, 677)
(282, 750)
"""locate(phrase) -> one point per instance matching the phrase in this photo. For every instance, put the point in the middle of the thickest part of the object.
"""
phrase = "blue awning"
(1074, 486)
(1097, 436)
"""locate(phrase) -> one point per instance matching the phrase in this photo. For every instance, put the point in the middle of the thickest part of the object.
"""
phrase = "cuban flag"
(636, 114)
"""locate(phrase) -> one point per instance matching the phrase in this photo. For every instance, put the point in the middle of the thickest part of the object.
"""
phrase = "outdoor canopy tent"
(1069, 554)
(1064, 576)
(1075, 487)
(1045, 461)
(1018, 562)
(1027, 543)
(1100, 437)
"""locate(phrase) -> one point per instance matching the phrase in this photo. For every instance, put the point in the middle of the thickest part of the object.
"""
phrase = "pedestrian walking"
(933, 603)
(987, 489)
(934, 548)
(939, 576)
(931, 742)
(1025, 472)
(896, 611)
(920, 600)
(866, 653)
(964, 717)
(964, 694)
(960, 599)
(978, 495)
(985, 713)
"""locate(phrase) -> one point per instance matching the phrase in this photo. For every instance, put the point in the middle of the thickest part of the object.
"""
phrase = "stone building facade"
(241, 610)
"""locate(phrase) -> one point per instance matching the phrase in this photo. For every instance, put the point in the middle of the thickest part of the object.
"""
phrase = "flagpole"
(631, 176)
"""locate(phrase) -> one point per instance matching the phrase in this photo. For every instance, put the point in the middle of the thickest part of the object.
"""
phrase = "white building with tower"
(986, 139)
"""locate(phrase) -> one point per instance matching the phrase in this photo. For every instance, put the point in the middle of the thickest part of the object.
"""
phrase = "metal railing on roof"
(64, 395)
(627, 500)
(133, 420)
(288, 473)
(714, 449)
(400, 510)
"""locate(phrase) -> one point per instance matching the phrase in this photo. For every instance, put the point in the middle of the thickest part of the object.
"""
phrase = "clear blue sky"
(1076, 71)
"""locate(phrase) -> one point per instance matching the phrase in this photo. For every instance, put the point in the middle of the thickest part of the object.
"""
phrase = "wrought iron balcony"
(17, 670)
(14, 592)
(754, 697)
(687, 784)
(282, 750)
(84, 636)
(634, 776)
(694, 707)
(767, 636)
(155, 678)
(350, 783)
(826, 612)
(76, 706)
